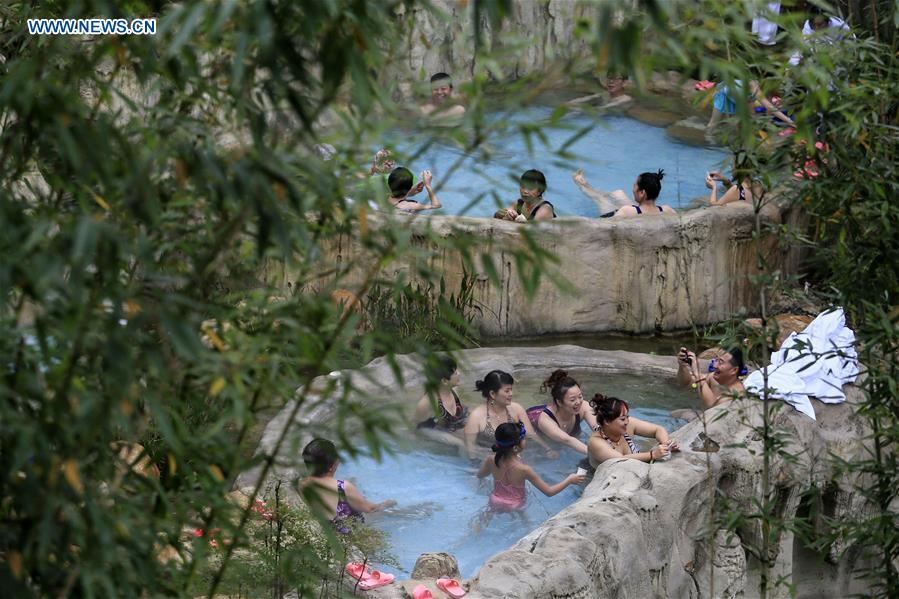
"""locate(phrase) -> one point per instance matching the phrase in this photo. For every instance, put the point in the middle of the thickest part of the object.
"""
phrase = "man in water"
(442, 104)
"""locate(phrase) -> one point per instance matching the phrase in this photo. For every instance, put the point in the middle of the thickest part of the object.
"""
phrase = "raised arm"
(549, 428)
(361, 504)
(771, 109)
(549, 491)
(606, 201)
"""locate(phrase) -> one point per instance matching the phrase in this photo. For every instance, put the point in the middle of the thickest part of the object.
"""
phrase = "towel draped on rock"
(814, 363)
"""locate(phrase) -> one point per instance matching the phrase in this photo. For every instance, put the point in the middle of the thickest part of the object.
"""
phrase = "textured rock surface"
(446, 44)
(643, 530)
(435, 565)
(635, 275)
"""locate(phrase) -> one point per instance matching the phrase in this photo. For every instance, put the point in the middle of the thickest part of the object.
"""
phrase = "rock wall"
(644, 530)
(634, 275)
(535, 33)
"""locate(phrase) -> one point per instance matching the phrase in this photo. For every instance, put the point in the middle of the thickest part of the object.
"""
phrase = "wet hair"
(441, 369)
(440, 77)
(508, 436)
(558, 385)
(736, 359)
(400, 181)
(651, 183)
(607, 408)
(533, 178)
(319, 455)
(493, 382)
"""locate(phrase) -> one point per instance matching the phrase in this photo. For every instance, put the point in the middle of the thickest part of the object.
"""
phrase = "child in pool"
(510, 473)
(339, 501)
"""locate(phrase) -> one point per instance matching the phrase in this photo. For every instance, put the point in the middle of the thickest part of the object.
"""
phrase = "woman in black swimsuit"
(446, 424)
(561, 420)
(739, 189)
(531, 205)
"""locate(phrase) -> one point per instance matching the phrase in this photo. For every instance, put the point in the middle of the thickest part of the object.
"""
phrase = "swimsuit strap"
(489, 426)
(627, 438)
(660, 208)
(574, 429)
(742, 193)
(534, 210)
(637, 208)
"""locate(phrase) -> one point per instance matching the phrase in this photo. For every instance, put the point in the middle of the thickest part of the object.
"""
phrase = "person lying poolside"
(613, 437)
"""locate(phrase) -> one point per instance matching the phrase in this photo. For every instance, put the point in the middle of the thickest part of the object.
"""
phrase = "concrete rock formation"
(634, 275)
(644, 530)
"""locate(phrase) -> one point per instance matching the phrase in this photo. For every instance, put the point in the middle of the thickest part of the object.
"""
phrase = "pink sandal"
(422, 592)
(375, 579)
(451, 587)
(357, 571)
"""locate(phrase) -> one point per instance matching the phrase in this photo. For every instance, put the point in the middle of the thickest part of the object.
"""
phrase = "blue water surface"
(611, 154)
(441, 502)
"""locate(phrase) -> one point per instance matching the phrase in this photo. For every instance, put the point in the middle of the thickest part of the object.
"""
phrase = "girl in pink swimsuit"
(510, 473)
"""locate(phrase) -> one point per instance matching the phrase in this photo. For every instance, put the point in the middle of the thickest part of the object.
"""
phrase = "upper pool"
(611, 154)
(439, 498)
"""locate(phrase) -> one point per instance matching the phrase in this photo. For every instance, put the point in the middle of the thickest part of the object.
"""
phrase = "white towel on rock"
(816, 362)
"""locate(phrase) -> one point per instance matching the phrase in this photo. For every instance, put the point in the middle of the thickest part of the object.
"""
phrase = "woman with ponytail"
(614, 435)
(498, 408)
(510, 473)
(561, 420)
(646, 191)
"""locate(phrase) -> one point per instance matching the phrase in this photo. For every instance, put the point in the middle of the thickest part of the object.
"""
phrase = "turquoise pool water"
(439, 498)
(612, 154)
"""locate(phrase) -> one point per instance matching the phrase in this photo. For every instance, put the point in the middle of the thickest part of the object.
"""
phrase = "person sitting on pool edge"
(720, 383)
(447, 425)
(442, 104)
(400, 183)
(497, 408)
(336, 500)
(561, 420)
(614, 436)
(531, 205)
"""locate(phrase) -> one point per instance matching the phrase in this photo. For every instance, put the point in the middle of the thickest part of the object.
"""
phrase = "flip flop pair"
(450, 586)
(368, 579)
(703, 85)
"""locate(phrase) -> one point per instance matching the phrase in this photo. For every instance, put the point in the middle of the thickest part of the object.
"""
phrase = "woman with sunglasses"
(510, 472)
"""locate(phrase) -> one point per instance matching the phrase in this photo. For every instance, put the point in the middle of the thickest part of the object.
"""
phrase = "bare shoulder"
(668, 209)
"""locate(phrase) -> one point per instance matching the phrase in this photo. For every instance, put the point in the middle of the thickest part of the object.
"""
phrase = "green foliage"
(425, 315)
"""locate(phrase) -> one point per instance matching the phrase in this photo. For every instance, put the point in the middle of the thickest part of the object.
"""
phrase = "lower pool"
(611, 154)
(441, 504)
